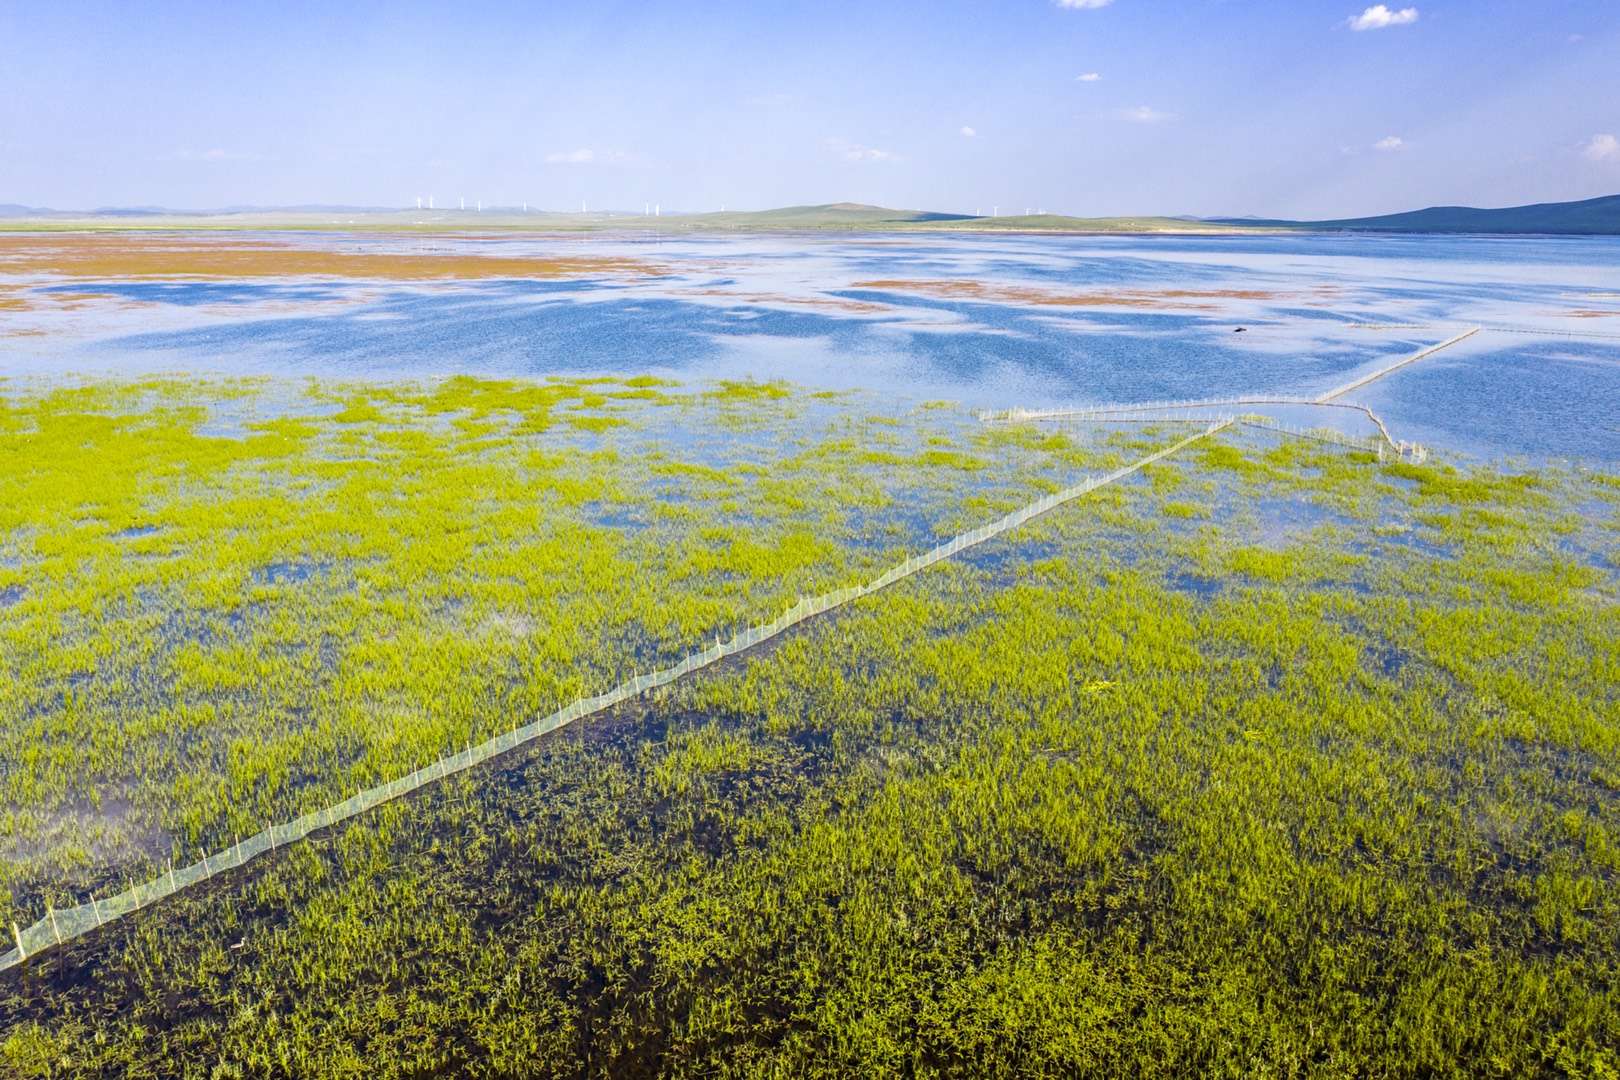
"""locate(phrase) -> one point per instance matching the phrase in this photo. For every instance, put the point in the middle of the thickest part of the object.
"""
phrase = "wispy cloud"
(1083, 5)
(855, 152)
(586, 156)
(583, 156)
(1379, 17)
(1390, 143)
(216, 154)
(968, 132)
(1090, 76)
(1146, 114)
(1602, 148)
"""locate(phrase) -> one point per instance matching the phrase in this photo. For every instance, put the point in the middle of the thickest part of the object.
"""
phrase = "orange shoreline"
(187, 258)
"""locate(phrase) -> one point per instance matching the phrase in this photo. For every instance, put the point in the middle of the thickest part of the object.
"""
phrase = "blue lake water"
(988, 320)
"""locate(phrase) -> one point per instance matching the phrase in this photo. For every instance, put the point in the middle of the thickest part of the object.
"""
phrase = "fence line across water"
(1495, 328)
(1324, 400)
(1110, 414)
(57, 927)
(1356, 384)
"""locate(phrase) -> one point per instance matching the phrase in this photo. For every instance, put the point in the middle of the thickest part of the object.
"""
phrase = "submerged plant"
(1315, 778)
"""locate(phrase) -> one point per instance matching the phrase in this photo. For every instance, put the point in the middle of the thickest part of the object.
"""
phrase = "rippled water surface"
(988, 320)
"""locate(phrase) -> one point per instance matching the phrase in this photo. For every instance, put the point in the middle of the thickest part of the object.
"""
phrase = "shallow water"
(988, 320)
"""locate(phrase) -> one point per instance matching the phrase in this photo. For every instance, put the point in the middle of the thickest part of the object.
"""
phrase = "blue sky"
(1196, 107)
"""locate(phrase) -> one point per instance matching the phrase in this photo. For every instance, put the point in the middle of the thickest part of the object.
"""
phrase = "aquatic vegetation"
(1054, 808)
(228, 603)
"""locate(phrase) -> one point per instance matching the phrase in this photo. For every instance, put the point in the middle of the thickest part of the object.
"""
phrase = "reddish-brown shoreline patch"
(27, 298)
(115, 256)
(825, 303)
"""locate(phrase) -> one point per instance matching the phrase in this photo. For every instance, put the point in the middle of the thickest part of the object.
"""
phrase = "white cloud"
(216, 154)
(586, 156)
(1090, 76)
(855, 152)
(968, 132)
(1083, 5)
(1378, 17)
(582, 156)
(1602, 148)
(1390, 143)
(1146, 114)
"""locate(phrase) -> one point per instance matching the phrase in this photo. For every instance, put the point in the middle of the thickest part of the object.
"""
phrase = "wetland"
(1280, 755)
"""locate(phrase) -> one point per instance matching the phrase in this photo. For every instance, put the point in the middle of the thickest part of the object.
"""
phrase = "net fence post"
(22, 953)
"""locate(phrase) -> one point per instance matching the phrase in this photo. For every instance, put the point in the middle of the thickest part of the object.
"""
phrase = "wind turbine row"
(650, 209)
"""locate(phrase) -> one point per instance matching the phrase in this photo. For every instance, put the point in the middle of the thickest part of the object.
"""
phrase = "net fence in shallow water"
(61, 926)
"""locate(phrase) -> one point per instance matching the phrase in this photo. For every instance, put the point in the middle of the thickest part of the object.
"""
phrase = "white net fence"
(60, 926)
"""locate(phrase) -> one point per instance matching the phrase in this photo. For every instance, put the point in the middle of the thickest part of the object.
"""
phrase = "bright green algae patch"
(1319, 776)
(228, 603)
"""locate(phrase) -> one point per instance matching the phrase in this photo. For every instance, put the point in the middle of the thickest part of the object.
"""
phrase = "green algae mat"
(1270, 759)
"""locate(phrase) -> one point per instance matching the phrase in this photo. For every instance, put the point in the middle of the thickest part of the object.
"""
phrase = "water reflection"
(988, 320)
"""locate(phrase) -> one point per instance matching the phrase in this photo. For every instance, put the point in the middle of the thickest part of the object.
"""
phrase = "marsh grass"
(1354, 812)
(217, 632)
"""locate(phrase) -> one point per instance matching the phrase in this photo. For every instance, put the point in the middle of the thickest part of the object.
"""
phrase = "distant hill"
(846, 215)
(1589, 217)
(16, 210)
(823, 215)
(1062, 223)
(1600, 216)
(131, 211)
(305, 208)
(828, 217)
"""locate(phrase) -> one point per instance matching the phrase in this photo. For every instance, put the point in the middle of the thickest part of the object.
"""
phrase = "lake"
(988, 320)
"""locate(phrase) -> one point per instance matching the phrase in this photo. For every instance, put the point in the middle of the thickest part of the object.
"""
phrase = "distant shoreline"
(630, 226)
(1589, 217)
